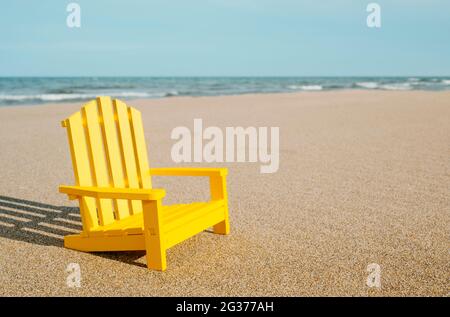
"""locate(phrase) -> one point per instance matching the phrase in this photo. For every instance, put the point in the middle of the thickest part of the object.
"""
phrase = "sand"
(364, 178)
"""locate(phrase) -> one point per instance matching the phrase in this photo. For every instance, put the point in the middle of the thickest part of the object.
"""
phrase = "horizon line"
(218, 76)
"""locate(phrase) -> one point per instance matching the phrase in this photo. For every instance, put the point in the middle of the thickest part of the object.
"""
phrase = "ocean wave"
(90, 85)
(129, 94)
(305, 87)
(171, 93)
(311, 87)
(45, 97)
(16, 91)
(367, 85)
(417, 81)
(74, 97)
(396, 86)
(61, 91)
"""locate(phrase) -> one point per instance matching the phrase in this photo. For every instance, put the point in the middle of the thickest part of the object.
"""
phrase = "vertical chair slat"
(98, 159)
(127, 147)
(82, 169)
(114, 155)
(140, 148)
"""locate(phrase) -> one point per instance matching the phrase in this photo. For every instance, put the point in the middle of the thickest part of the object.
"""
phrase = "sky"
(225, 38)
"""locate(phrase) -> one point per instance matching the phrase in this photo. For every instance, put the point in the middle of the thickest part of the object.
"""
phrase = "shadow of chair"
(45, 224)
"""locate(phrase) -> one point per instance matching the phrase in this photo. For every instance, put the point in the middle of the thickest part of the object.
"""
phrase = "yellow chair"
(119, 209)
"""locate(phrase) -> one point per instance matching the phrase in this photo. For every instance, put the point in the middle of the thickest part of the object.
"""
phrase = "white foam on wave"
(305, 87)
(60, 97)
(311, 87)
(396, 86)
(130, 94)
(415, 81)
(43, 97)
(171, 93)
(15, 97)
(446, 81)
(368, 85)
(68, 97)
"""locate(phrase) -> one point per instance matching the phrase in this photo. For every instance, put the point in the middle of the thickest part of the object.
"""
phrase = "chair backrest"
(108, 149)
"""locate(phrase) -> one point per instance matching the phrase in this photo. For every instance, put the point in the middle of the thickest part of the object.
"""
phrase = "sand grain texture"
(364, 177)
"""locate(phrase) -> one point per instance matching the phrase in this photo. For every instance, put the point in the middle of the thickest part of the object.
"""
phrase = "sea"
(38, 90)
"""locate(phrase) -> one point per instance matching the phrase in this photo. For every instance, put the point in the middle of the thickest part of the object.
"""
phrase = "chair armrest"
(217, 177)
(188, 171)
(114, 193)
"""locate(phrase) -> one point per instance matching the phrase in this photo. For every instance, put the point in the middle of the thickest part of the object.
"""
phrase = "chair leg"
(222, 227)
(155, 251)
(156, 256)
(218, 187)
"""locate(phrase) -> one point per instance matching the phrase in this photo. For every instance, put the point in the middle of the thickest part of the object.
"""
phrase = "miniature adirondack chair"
(119, 209)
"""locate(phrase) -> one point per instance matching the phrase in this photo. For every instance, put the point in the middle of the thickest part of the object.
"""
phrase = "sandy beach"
(363, 178)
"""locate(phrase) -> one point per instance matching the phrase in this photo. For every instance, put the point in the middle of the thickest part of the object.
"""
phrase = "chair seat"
(173, 217)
